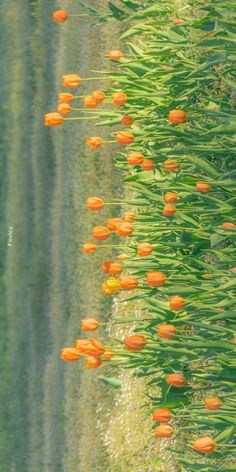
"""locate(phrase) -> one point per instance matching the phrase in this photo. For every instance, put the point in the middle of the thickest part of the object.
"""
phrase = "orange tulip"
(205, 445)
(52, 119)
(162, 415)
(166, 331)
(115, 55)
(59, 16)
(101, 233)
(71, 80)
(113, 283)
(123, 137)
(176, 302)
(170, 197)
(115, 268)
(177, 21)
(122, 257)
(108, 354)
(129, 282)
(156, 279)
(70, 354)
(106, 266)
(99, 96)
(233, 340)
(203, 187)
(64, 108)
(112, 223)
(119, 98)
(213, 403)
(90, 102)
(228, 225)
(147, 164)
(97, 347)
(127, 120)
(89, 324)
(170, 164)
(169, 210)
(93, 362)
(94, 142)
(106, 290)
(65, 98)
(89, 248)
(144, 249)
(176, 380)
(82, 345)
(124, 229)
(90, 346)
(177, 117)
(232, 269)
(168, 68)
(95, 203)
(136, 342)
(129, 217)
(135, 158)
(164, 431)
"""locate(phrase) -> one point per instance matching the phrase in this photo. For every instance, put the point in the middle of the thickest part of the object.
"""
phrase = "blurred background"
(48, 408)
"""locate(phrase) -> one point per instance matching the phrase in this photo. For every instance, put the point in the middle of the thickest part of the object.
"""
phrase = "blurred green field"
(48, 409)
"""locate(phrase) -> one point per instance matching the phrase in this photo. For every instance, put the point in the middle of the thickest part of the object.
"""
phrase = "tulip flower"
(115, 55)
(169, 210)
(101, 233)
(177, 21)
(119, 98)
(176, 380)
(135, 342)
(53, 119)
(64, 108)
(156, 279)
(115, 268)
(71, 80)
(205, 445)
(228, 225)
(135, 158)
(89, 324)
(65, 97)
(59, 16)
(124, 229)
(113, 223)
(147, 164)
(113, 283)
(177, 117)
(70, 354)
(105, 266)
(123, 137)
(108, 355)
(203, 187)
(144, 249)
(213, 403)
(177, 302)
(164, 431)
(170, 165)
(89, 248)
(122, 257)
(166, 331)
(170, 197)
(94, 142)
(129, 282)
(162, 415)
(129, 217)
(99, 96)
(95, 203)
(90, 102)
(93, 362)
(127, 120)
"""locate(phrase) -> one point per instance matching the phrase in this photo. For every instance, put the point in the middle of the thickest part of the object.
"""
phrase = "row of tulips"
(174, 92)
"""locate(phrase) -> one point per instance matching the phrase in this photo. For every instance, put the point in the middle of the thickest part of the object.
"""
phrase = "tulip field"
(168, 114)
